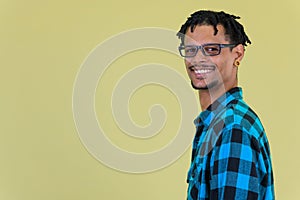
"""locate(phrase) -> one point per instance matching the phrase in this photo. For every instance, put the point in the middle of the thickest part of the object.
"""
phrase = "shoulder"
(241, 118)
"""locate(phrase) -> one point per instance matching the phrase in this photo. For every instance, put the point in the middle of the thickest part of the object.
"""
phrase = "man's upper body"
(231, 155)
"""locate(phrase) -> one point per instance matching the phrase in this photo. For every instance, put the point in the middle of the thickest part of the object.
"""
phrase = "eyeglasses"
(210, 49)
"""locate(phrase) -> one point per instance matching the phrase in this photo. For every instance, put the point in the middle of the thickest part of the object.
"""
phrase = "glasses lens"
(188, 51)
(212, 49)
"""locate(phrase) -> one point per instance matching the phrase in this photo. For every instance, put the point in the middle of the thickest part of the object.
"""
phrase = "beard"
(206, 87)
(199, 88)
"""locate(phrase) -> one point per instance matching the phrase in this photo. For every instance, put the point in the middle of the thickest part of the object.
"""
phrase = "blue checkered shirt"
(231, 154)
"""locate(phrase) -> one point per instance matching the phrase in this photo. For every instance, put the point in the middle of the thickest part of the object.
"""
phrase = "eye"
(211, 49)
(190, 50)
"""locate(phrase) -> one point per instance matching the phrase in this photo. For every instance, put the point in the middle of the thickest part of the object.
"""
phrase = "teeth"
(202, 71)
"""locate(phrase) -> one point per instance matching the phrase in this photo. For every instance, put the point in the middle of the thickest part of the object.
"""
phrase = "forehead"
(205, 34)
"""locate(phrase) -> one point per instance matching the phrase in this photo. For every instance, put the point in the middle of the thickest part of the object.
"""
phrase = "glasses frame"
(201, 47)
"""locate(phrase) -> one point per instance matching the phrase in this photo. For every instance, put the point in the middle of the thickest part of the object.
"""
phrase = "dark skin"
(212, 75)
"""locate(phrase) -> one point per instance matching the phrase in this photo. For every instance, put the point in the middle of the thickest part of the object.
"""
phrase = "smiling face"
(212, 72)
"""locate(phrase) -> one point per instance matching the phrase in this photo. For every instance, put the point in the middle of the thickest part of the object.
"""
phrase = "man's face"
(211, 72)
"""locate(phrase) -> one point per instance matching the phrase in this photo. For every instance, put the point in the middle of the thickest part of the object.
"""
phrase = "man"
(231, 155)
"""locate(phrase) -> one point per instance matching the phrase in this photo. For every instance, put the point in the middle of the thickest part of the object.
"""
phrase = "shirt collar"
(220, 104)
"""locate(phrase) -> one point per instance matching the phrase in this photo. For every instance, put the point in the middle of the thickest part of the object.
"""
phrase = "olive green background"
(44, 43)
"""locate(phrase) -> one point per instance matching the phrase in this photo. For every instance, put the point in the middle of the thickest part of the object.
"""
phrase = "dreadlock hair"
(233, 29)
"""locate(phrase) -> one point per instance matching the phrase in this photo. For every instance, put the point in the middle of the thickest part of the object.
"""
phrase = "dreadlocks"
(233, 29)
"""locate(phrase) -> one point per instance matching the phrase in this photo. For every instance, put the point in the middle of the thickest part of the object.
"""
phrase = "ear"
(239, 52)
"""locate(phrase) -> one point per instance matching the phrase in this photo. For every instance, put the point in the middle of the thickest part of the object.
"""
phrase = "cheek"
(223, 65)
(226, 70)
(187, 62)
(187, 65)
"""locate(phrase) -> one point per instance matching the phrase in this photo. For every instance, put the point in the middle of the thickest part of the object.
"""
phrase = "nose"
(198, 58)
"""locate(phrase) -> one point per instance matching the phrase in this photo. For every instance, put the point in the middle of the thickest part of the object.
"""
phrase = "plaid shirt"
(231, 155)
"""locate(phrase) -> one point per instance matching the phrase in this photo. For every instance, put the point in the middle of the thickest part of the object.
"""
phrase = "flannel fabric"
(231, 154)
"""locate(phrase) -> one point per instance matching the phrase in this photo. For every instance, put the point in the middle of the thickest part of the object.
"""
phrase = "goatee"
(199, 88)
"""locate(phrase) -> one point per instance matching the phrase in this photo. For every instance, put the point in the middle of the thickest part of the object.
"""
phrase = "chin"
(201, 86)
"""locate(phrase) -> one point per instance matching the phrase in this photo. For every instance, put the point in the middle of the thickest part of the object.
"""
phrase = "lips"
(201, 72)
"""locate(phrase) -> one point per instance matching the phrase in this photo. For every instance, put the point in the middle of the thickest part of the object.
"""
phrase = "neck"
(207, 97)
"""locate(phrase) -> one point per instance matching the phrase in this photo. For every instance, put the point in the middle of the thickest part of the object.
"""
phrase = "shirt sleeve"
(233, 166)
